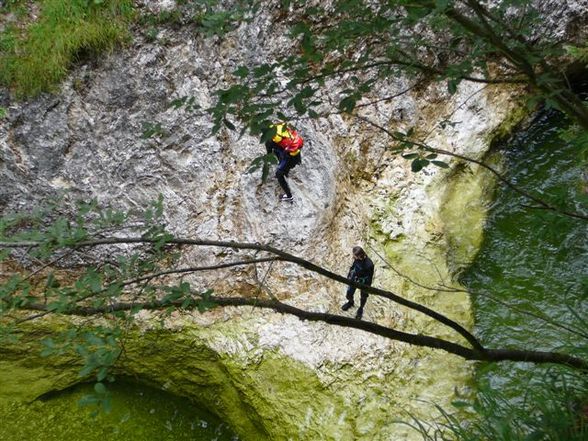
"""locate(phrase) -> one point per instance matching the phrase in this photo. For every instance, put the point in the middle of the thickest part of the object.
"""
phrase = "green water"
(139, 413)
(533, 260)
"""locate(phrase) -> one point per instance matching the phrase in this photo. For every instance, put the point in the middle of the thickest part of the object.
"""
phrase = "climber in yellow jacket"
(286, 145)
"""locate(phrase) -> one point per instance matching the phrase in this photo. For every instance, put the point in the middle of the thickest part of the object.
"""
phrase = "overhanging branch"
(490, 355)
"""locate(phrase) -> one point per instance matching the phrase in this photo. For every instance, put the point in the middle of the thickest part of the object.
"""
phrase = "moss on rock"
(138, 413)
(263, 396)
(463, 213)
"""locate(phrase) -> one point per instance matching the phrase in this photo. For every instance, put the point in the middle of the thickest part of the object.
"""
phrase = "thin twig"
(53, 262)
(404, 276)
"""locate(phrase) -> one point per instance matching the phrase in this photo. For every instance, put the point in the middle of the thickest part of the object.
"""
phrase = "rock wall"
(270, 376)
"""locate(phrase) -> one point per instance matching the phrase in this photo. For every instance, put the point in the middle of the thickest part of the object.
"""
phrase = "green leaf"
(452, 86)
(86, 370)
(264, 172)
(233, 94)
(187, 303)
(440, 164)
(102, 373)
(410, 156)
(205, 305)
(264, 163)
(418, 164)
(431, 156)
(178, 102)
(93, 280)
(267, 133)
(298, 104)
(100, 388)
(347, 104)
(229, 124)
(460, 404)
(241, 71)
(261, 70)
(172, 296)
(307, 92)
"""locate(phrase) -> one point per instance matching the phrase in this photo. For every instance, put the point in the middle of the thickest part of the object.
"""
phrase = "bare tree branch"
(493, 355)
(477, 352)
(194, 269)
(285, 257)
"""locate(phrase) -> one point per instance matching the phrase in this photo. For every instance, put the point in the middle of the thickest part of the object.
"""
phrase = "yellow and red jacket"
(288, 139)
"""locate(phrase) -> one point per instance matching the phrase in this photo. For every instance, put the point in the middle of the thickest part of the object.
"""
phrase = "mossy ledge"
(260, 398)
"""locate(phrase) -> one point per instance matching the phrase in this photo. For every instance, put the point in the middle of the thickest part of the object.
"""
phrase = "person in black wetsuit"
(361, 271)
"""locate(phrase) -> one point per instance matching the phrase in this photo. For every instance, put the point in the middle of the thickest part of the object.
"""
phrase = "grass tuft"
(35, 58)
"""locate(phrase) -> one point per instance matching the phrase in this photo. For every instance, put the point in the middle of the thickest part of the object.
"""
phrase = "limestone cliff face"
(270, 376)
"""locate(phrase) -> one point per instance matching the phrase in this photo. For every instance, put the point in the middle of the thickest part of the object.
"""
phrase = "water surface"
(530, 279)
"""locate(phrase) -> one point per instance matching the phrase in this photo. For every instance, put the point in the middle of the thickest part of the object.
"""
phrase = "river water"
(529, 282)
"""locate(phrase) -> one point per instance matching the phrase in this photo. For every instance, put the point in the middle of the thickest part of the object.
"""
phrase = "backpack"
(288, 139)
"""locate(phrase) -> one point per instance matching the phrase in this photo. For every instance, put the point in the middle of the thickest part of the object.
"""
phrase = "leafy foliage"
(44, 280)
(59, 289)
(358, 45)
(188, 103)
(207, 17)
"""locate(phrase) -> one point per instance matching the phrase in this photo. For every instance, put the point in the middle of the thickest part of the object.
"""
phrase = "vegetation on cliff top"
(36, 53)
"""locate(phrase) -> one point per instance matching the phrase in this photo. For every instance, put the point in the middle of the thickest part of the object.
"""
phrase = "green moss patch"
(139, 413)
(463, 213)
(261, 395)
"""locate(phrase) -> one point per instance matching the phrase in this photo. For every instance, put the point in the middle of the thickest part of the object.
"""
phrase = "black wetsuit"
(362, 271)
(286, 163)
